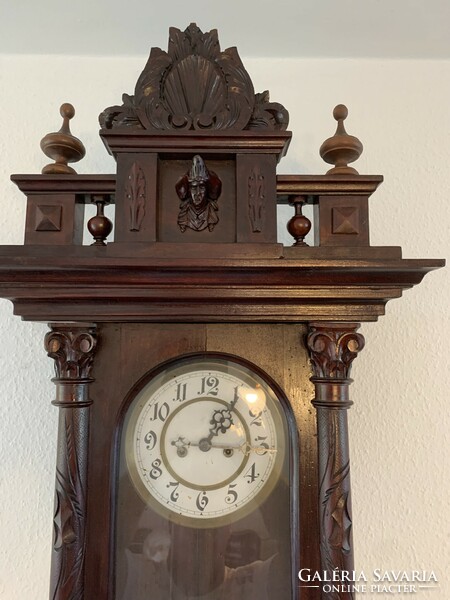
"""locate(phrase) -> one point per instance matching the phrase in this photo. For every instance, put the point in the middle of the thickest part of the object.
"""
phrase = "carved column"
(72, 347)
(332, 347)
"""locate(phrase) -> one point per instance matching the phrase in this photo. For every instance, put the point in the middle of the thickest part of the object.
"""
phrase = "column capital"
(72, 346)
(333, 347)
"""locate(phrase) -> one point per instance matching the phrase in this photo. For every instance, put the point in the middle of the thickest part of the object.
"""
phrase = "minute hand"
(245, 448)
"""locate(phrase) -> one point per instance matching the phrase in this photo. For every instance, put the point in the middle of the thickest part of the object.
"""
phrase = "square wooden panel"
(342, 221)
(54, 219)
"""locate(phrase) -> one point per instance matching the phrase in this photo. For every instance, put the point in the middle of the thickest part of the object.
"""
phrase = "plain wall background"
(400, 421)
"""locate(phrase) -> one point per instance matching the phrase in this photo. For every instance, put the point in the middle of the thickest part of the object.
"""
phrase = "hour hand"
(181, 444)
(222, 419)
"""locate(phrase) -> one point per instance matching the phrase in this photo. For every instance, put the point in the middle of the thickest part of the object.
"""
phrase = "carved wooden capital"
(72, 347)
(333, 347)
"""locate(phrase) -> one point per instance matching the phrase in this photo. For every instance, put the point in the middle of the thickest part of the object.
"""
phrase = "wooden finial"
(62, 146)
(342, 148)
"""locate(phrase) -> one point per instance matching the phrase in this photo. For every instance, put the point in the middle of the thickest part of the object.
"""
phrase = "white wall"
(400, 421)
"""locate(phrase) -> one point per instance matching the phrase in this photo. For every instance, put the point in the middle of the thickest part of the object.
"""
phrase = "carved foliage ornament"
(256, 195)
(135, 194)
(335, 504)
(195, 86)
(72, 351)
(70, 506)
(333, 351)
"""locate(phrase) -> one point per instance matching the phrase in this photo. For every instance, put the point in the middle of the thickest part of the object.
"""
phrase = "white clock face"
(205, 442)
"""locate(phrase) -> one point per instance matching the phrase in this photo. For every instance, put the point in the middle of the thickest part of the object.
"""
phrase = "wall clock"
(202, 368)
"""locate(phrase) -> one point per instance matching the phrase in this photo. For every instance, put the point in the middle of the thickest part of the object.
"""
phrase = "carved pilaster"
(333, 347)
(72, 347)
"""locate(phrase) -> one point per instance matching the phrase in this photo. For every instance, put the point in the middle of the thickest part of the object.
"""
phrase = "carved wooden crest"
(195, 86)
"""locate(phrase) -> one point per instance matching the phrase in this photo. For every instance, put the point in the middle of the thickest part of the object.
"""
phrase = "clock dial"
(204, 442)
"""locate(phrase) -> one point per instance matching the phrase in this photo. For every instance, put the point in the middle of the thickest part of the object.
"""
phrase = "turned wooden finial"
(342, 148)
(62, 146)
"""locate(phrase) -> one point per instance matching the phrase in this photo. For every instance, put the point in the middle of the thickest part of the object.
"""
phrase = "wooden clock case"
(177, 282)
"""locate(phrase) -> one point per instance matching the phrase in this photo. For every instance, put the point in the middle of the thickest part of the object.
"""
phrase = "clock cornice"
(72, 286)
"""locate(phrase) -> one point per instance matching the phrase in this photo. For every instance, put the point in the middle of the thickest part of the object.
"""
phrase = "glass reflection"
(166, 561)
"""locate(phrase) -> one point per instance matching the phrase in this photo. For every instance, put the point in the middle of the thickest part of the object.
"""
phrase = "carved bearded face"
(198, 193)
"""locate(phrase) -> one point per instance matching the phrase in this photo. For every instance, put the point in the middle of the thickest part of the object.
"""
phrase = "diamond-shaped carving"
(48, 218)
(345, 219)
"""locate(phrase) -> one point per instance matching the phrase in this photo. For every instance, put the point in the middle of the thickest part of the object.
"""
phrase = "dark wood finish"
(341, 221)
(100, 226)
(135, 193)
(299, 226)
(173, 214)
(55, 219)
(342, 148)
(333, 347)
(62, 146)
(82, 185)
(128, 351)
(256, 198)
(108, 287)
(205, 143)
(287, 185)
(195, 86)
(137, 185)
(325, 185)
(198, 190)
(279, 351)
(72, 347)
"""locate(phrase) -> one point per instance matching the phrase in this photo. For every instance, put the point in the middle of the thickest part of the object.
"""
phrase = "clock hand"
(221, 421)
(182, 446)
(245, 447)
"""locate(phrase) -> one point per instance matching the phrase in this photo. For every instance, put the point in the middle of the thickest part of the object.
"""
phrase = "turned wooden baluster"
(72, 347)
(298, 226)
(100, 226)
(333, 347)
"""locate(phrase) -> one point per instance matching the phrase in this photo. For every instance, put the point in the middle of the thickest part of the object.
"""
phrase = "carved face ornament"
(198, 193)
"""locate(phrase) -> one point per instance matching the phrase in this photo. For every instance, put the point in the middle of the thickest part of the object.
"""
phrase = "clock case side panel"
(126, 353)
